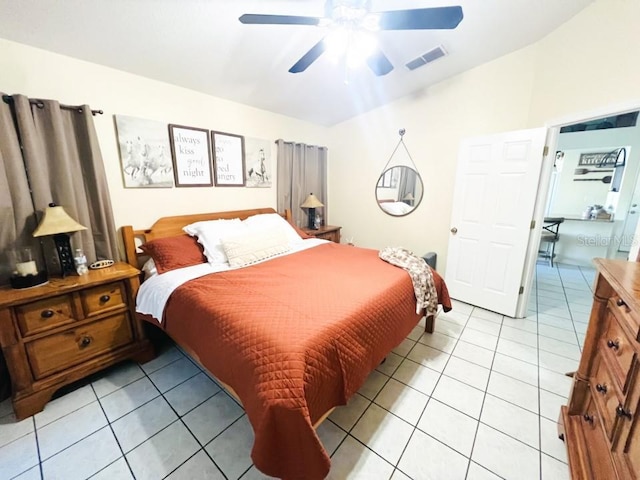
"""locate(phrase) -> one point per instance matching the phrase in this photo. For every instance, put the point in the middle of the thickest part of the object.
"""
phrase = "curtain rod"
(299, 143)
(38, 103)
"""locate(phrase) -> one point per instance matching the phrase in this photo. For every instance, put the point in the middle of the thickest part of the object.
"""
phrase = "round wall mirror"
(399, 190)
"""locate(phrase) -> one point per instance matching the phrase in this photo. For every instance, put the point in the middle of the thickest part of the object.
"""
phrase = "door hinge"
(545, 151)
(532, 225)
(521, 291)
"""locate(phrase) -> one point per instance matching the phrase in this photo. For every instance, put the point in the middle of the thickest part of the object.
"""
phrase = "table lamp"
(58, 223)
(311, 203)
(408, 199)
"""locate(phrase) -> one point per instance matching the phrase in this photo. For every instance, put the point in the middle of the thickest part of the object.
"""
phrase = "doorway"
(610, 242)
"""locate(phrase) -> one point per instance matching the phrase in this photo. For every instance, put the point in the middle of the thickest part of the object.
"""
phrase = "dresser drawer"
(57, 352)
(625, 314)
(103, 298)
(605, 395)
(44, 314)
(619, 349)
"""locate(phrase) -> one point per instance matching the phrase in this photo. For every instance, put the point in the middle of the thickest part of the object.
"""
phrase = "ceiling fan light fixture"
(361, 47)
(371, 22)
(336, 42)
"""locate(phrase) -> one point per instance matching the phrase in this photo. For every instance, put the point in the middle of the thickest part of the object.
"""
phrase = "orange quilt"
(294, 337)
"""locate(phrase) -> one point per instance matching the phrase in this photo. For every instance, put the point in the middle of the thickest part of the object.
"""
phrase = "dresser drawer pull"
(105, 298)
(614, 344)
(601, 388)
(588, 418)
(47, 313)
(85, 341)
(620, 302)
(621, 412)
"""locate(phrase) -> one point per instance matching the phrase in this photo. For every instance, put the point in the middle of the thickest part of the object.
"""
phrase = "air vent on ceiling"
(430, 56)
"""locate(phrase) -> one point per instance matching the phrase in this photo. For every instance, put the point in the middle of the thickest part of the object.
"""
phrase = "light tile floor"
(478, 399)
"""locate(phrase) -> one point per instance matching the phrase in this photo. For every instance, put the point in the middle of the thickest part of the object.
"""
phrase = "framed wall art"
(228, 159)
(191, 153)
(144, 152)
(258, 162)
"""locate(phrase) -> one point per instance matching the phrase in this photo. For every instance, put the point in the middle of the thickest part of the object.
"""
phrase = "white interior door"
(495, 193)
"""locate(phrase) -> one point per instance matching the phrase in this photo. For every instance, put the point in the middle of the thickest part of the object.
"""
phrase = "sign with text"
(191, 154)
(228, 159)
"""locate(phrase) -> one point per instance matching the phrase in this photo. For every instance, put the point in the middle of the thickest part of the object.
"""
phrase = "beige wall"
(491, 98)
(42, 74)
(589, 63)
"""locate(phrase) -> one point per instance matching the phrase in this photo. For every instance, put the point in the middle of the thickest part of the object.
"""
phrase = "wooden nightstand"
(57, 333)
(327, 232)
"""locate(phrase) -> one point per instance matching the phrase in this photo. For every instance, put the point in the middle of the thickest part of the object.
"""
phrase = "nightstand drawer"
(54, 353)
(103, 298)
(44, 314)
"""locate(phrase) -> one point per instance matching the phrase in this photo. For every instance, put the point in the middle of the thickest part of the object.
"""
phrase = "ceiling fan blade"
(309, 57)
(256, 18)
(438, 18)
(379, 63)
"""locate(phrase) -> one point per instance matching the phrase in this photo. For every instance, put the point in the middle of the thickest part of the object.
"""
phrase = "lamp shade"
(56, 220)
(408, 196)
(312, 202)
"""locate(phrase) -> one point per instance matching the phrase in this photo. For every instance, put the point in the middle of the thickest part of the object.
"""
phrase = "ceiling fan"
(352, 23)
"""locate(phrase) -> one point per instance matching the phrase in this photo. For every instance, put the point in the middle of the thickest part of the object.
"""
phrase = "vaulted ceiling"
(201, 45)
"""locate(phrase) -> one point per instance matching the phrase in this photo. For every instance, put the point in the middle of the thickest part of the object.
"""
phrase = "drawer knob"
(47, 313)
(601, 388)
(588, 418)
(85, 341)
(105, 298)
(621, 412)
(620, 302)
(614, 344)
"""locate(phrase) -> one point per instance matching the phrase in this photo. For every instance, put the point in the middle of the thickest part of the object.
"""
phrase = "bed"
(291, 337)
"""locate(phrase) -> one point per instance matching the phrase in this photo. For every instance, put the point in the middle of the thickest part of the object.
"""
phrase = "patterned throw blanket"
(420, 273)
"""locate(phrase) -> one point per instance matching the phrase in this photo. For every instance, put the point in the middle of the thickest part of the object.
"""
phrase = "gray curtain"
(60, 162)
(302, 169)
(407, 184)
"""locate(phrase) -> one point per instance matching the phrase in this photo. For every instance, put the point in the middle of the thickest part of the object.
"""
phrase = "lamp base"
(28, 281)
(311, 219)
(65, 255)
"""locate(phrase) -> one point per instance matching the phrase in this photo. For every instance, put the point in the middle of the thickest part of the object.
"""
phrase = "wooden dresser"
(57, 333)
(600, 423)
(326, 232)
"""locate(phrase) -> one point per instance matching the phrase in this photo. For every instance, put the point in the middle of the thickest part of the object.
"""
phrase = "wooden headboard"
(172, 226)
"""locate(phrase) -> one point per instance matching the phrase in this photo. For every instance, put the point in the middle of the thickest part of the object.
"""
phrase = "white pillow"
(254, 245)
(276, 222)
(209, 234)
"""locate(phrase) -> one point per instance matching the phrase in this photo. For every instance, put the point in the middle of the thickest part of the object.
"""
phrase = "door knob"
(454, 230)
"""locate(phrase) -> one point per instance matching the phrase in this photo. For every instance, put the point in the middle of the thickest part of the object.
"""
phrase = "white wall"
(591, 62)
(41, 74)
(490, 98)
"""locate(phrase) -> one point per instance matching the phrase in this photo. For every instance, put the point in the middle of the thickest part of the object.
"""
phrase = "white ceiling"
(201, 45)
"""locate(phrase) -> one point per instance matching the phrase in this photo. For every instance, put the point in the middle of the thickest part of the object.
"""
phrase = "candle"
(27, 268)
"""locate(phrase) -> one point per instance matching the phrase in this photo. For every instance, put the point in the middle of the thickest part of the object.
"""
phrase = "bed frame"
(172, 226)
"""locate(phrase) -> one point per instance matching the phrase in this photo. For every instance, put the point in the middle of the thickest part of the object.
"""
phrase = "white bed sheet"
(154, 292)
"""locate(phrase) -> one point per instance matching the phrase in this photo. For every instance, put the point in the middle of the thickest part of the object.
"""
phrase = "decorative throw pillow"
(209, 234)
(254, 245)
(170, 253)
